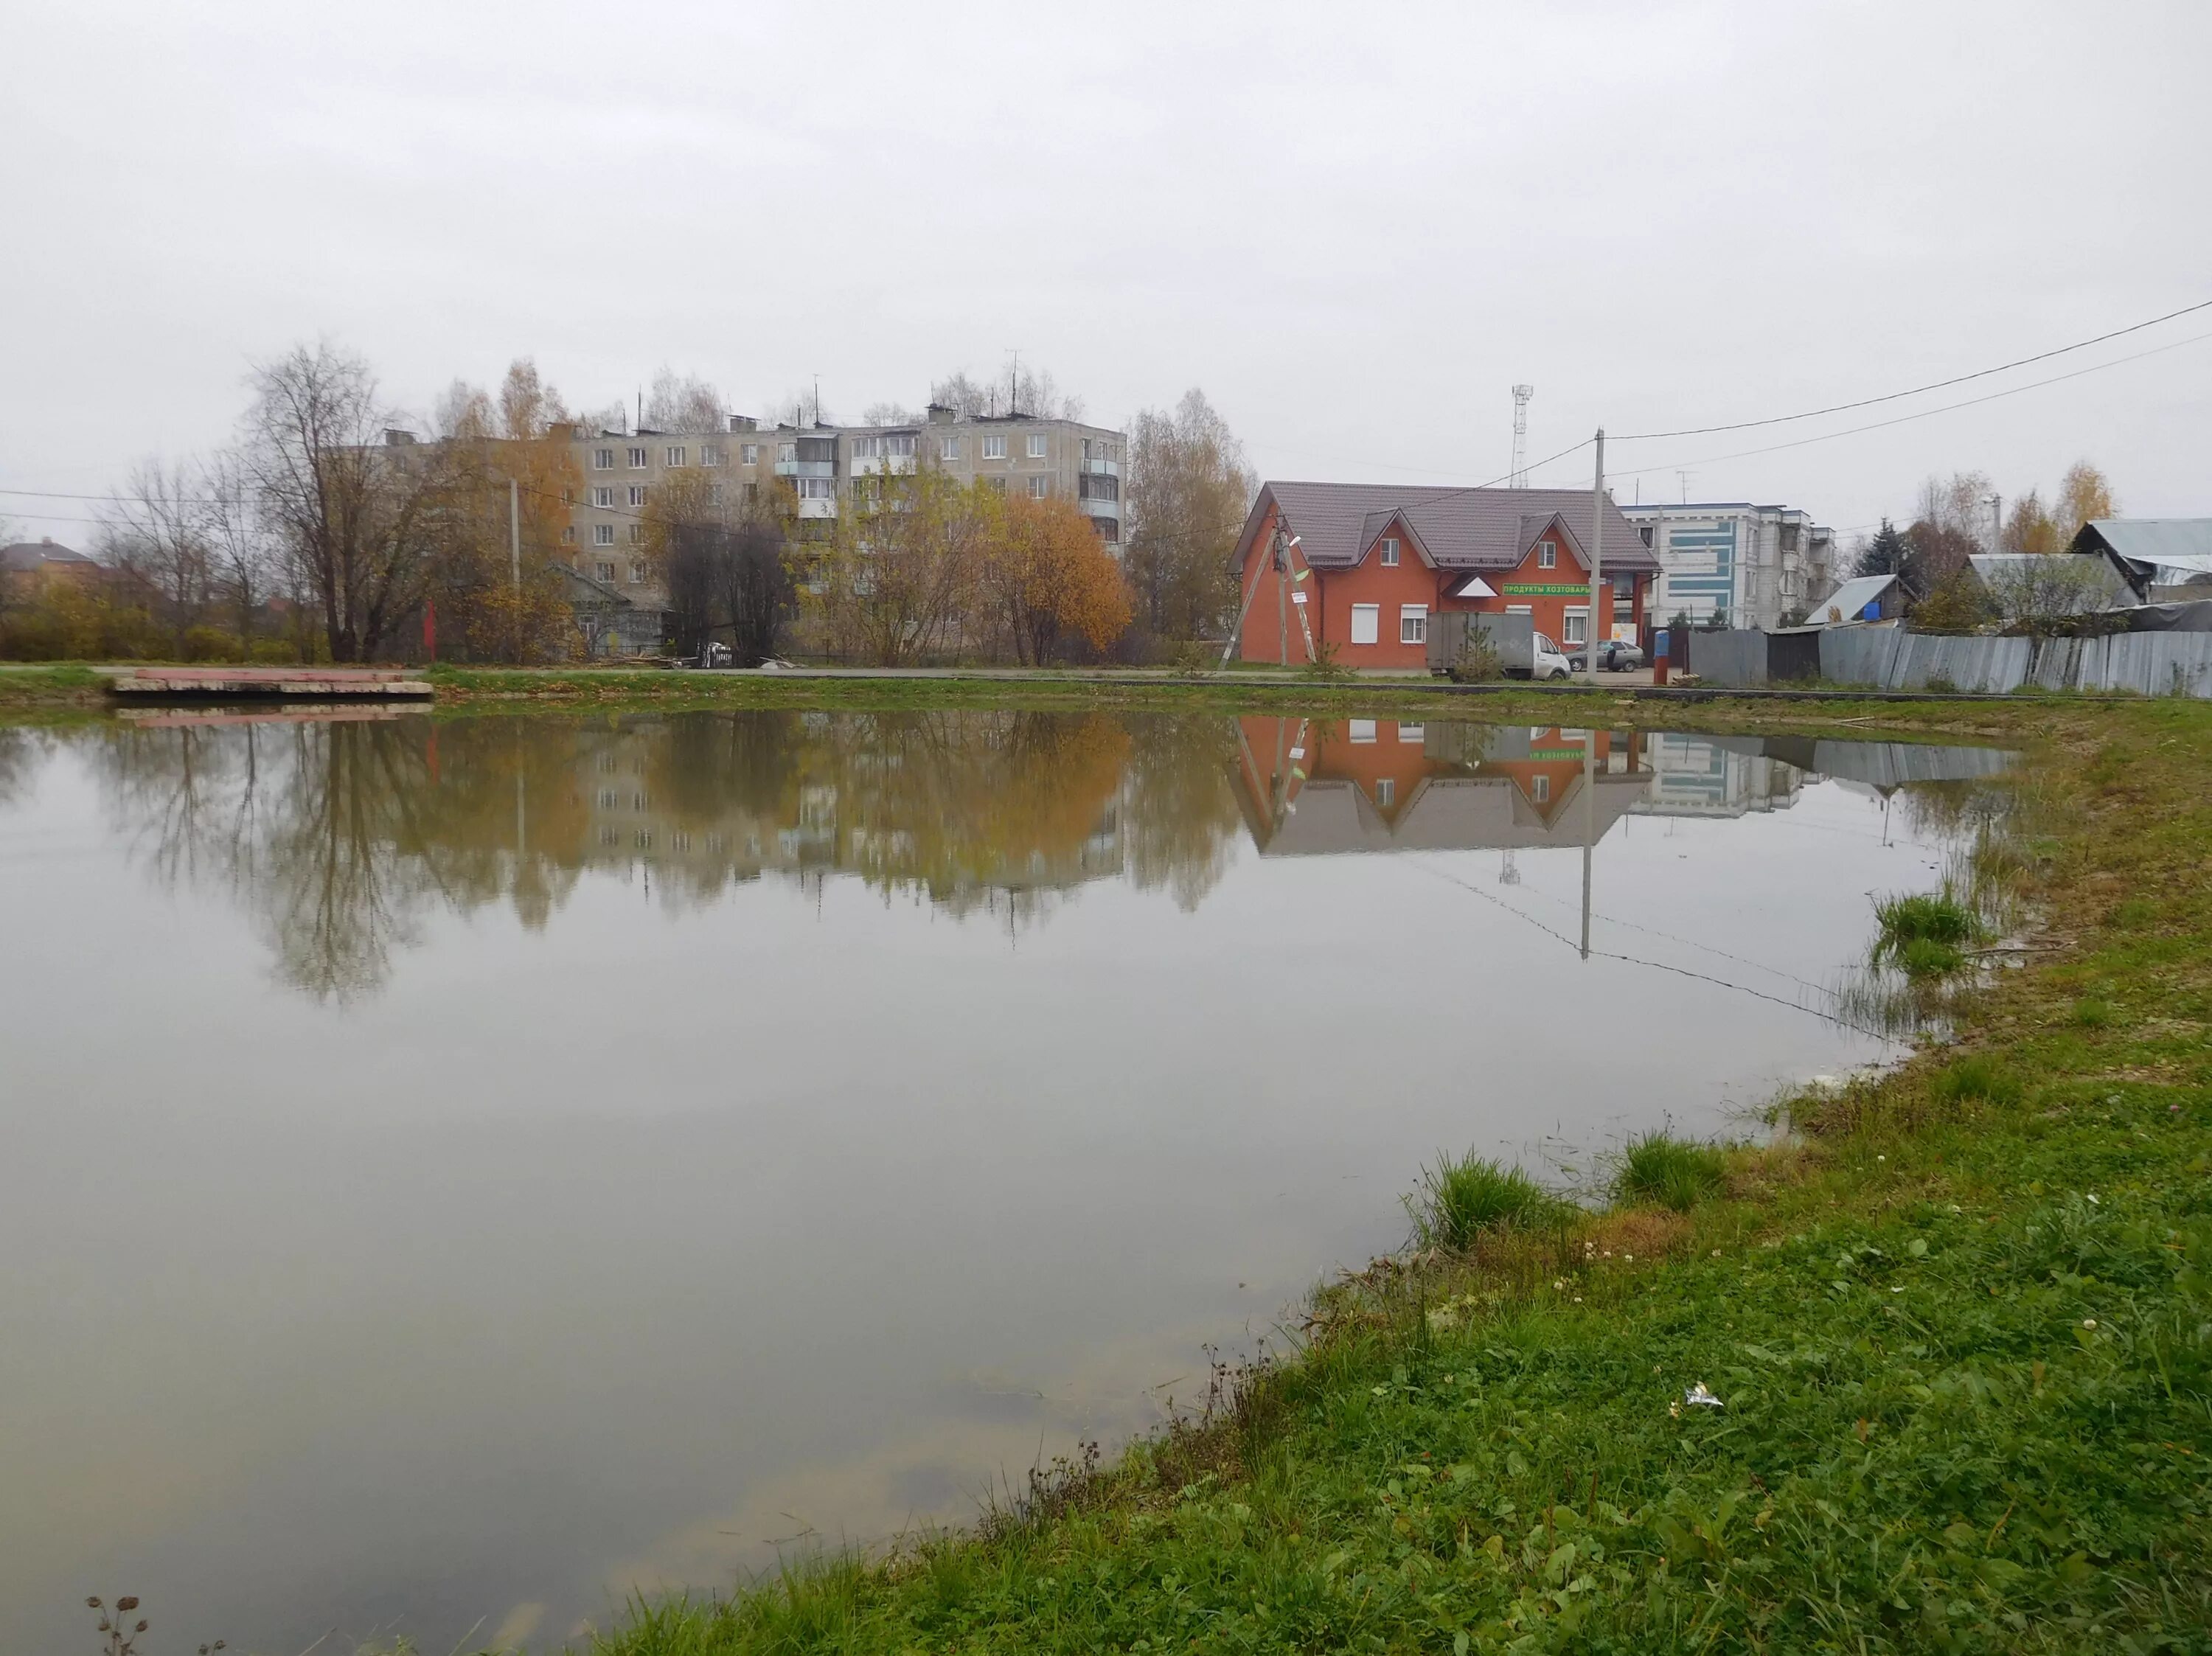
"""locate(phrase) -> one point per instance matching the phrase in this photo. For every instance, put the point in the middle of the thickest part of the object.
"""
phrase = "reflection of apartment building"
(1693, 776)
(823, 464)
(831, 817)
(1752, 564)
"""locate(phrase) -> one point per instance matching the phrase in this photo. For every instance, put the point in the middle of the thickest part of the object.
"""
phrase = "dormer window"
(1548, 554)
(1389, 551)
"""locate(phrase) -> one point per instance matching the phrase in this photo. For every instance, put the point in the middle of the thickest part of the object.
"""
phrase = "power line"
(1938, 385)
(1924, 414)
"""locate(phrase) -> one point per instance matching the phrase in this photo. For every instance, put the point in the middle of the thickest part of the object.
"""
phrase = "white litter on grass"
(1698, 1397)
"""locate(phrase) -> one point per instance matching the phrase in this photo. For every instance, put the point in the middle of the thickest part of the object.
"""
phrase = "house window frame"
(603, 496)
(1389, 551)
(1036, 445)
(948, 448)
(1385, 791)
(640, 458)
(1414, 623)
(603, 459)
(751, 452)
(995, 447)
(1040, 487)
(1548, 554)
(1567, 620)
(605, 571)
(637, 572)
(673, 454)
(1368, 617)
(1540, 788)
(637, 495)
(603, 534)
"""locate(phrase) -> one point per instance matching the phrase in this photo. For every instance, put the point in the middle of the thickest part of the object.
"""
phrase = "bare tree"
(1185, 497)
(682, 403)
(246, 564)
(890, 414)
(157, 532)
(1019, 390)
(355, 500)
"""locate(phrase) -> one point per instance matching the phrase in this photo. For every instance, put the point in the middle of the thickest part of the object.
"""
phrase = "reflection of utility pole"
(1507, 874)
(1590, 816)
(1996, 504)
(514, 539)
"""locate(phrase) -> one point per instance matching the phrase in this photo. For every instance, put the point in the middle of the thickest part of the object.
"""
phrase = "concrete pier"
(269, 684)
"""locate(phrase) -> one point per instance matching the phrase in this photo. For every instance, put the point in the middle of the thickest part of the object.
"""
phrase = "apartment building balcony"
(806, 468)
(825, 507)
(876, 465)
(1099, 508)
(1100, 468)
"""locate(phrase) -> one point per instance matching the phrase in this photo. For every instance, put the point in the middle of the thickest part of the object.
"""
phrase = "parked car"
(1613, 656)
(1551, 662)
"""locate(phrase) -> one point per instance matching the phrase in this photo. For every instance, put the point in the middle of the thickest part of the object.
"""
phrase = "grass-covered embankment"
(1961, 1330)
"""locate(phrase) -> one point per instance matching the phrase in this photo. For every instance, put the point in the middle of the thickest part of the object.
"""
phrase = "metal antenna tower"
(1520, 473)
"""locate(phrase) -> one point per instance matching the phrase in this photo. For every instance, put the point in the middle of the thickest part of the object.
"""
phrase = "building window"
(1366, 622)
(714, 494)
(867, 448)
(899, 445)
(785, 452)
(607, 573)
(999, 483)
(674, 452)
(637, 459)
(709, 455)
(1577, 626)
(1039, 487)
(995, 448)
(603, 535)
(1548, 556)
(1036, 445)
(1412, 623)
(645, 838)
(752, 491)
(948, 448)
(1385, 791)
(1360, 730)
(608, 800)
(568, 533)
(752, 454)
(603, 459)
(637, 572)
(637, 534)
(1540, 787)
(1413, 733)
(602, 494)
(1644, 534)
(637, 493)
(1389, 551)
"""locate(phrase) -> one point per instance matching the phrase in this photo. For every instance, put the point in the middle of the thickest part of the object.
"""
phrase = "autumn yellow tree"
(896, 581)
(2029, 526)
(2084, 495)
(514, 477)
(1045, 575)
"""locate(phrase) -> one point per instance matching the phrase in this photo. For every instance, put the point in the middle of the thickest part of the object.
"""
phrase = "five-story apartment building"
(823, 464)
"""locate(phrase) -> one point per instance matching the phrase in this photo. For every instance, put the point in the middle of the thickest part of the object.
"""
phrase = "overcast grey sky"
(1354, 226)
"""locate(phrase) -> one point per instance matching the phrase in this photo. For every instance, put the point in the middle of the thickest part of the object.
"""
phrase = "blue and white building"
(1749, 564)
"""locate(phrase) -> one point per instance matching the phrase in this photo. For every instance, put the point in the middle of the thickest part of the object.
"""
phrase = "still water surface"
(472, 1169)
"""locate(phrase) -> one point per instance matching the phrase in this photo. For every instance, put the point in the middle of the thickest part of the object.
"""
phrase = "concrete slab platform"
(269, 684)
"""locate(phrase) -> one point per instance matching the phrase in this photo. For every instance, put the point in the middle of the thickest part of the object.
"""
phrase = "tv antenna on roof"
(1518, 478)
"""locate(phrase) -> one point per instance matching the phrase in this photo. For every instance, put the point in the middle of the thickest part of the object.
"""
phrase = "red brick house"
(1373, 560)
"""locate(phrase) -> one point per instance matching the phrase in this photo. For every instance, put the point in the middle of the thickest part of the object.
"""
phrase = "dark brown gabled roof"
(24, 556)
(1456, 528)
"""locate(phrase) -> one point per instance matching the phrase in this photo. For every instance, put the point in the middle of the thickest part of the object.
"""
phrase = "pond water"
(460, 1171)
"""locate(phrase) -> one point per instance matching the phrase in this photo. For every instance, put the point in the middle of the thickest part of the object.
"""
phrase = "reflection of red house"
(1311, 786)
(1373, 560)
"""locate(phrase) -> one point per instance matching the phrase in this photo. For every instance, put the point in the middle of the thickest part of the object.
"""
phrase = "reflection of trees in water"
(336, 836)
(21, 752)
(339, 837)
(1182, 815)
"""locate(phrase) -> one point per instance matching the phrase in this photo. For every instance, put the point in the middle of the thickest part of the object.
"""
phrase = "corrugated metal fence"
(1890, 658)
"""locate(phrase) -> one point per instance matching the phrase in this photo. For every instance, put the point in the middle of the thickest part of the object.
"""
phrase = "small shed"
(2149, 552)
(1862, 597)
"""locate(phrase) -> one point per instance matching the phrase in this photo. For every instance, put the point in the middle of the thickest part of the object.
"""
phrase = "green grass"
(1660, 1170)
(1961, 1325)
(1462, 1198)
(1924, 935)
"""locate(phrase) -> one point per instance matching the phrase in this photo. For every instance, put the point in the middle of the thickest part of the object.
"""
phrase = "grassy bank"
(1959, 1327)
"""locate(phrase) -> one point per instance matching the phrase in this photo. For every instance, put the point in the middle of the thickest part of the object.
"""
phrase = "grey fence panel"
(1891, 764)
(1892, 658)
(1735, 660)
(1858, 655)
